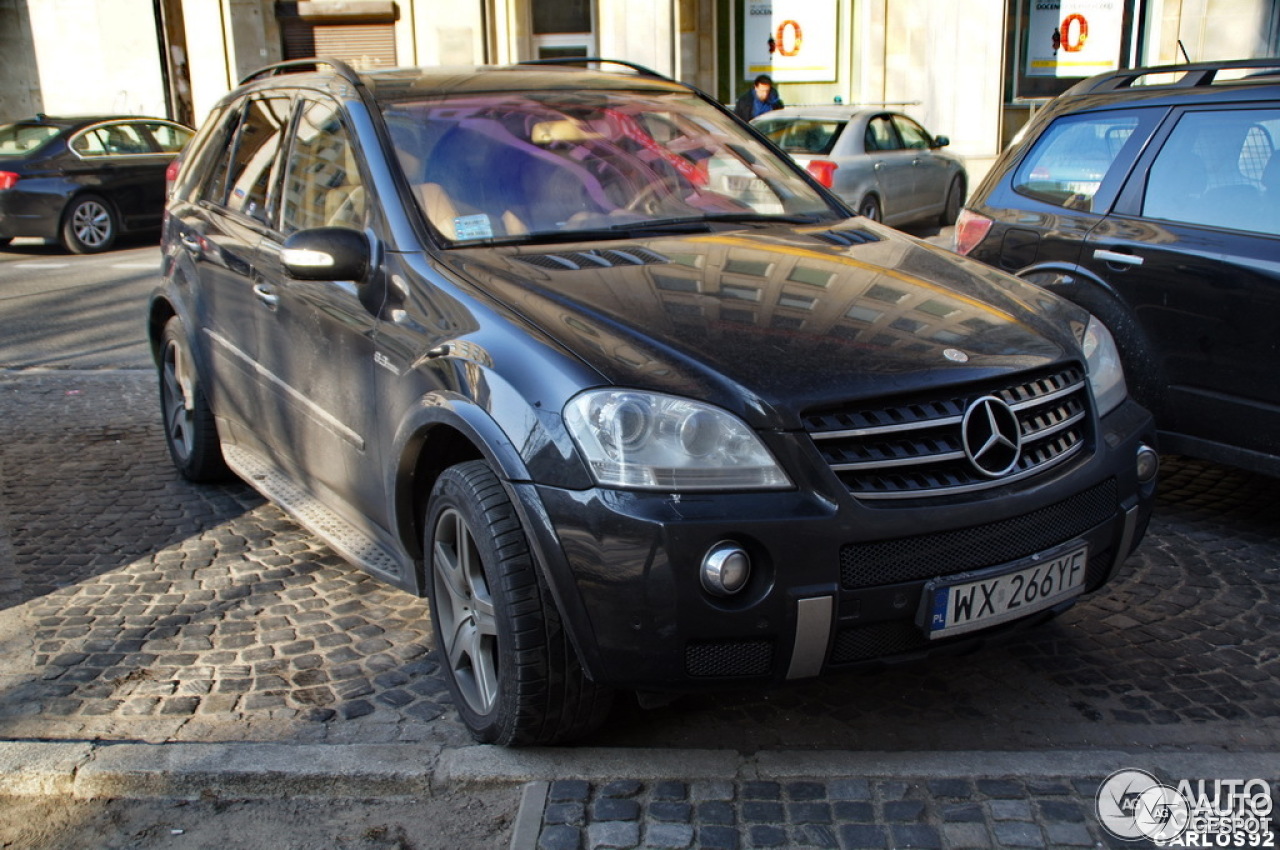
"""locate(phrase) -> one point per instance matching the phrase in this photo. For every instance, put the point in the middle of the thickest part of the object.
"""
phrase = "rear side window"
(1076, 155)
(1219, 169)
(880, 135)
(111, 140)
(256, 154)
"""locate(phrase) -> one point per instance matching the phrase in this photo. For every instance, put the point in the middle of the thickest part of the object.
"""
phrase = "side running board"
(343, 537)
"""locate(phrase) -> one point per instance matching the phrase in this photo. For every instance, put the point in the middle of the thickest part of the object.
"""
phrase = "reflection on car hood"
(788, 318)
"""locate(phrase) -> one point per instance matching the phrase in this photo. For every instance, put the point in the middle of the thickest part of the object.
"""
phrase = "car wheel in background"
(89, 225)
(870, 208)
(514, 677)
(955, 200)
(189, 428)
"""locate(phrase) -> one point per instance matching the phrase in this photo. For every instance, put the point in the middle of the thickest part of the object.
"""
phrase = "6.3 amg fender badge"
(992, 436)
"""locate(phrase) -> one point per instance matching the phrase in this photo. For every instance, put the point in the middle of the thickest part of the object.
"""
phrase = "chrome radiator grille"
(916, 448)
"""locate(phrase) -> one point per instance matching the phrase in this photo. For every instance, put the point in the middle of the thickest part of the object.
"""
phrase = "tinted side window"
(1076, 154)
(168, 138)
(1219, 169)
(256, 152)
(880, 135)
(111, 140)
(913, 135)
(322, 185)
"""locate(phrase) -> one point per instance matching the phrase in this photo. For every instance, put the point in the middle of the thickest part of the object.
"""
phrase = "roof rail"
(585, 60)
(294, 66)
(1193, 74)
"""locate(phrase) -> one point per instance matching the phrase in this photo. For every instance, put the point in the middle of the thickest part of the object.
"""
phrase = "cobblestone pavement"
(847, 814)
(135, 606)
(138, 606)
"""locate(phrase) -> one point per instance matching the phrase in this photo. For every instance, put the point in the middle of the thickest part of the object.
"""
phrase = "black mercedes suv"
(1151, 197)
(637, 404)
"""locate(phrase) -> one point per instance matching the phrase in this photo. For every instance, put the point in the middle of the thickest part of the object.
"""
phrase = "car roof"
(824, 111)
(76, 122)
(1240, 80)
(411, 83)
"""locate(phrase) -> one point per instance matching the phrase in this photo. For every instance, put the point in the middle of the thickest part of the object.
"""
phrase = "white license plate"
(965, 606)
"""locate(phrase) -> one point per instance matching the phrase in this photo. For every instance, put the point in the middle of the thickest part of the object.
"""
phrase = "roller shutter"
(363, 45)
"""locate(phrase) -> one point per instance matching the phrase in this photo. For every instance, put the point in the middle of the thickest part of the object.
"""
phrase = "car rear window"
(1071, 160)
(801, 135)
(22, 139)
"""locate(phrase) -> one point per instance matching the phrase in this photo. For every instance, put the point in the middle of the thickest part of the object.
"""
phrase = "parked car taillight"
(8, 179)
(171, 175)
(971, 229)
(824, 171)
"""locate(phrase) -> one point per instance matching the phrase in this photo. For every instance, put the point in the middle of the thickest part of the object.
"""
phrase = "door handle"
(1117, 257)
(266, 294)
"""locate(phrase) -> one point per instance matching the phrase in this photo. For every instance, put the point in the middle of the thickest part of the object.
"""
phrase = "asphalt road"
(69, 311)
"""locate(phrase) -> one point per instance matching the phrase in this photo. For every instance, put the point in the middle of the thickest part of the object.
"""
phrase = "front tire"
(89, 225)
(189, 427)
(513, 674)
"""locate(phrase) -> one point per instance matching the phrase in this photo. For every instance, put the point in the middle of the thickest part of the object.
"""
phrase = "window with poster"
(1053, 44)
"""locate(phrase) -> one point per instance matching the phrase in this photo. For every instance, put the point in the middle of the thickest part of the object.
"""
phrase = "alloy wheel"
(468, 624)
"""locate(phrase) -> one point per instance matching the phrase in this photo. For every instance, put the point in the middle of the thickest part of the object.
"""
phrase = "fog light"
(725, 569)
(1148, 463)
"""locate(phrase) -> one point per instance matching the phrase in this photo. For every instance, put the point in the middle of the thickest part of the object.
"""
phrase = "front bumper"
(835, 584)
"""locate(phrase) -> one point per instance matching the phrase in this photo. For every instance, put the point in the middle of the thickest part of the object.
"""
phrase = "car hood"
(779, 320)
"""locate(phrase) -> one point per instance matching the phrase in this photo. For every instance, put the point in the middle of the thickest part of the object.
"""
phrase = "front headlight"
(648, 441)
(1106, 376)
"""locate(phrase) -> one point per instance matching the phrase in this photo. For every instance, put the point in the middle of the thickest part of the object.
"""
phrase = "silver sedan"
(883, 164)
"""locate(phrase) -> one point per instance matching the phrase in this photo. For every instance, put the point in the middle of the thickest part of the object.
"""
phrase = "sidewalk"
(660, 798)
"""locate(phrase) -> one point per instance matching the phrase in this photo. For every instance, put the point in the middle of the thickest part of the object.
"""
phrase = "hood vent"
(846, 238)
(607, 259)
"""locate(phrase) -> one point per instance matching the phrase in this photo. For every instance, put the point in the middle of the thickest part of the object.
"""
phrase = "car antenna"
(1183, 48)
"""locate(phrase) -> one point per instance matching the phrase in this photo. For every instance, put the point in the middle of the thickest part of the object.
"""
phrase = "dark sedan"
(83, 181)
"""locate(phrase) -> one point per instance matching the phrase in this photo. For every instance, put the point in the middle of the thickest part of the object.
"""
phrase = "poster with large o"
(1073, 38)
(793, 41)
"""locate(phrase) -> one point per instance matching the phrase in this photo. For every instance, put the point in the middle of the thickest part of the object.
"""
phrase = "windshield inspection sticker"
(1133, 804)
(473, 227)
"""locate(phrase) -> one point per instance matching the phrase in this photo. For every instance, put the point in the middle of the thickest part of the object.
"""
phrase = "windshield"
(520, 166)
(22, 139)
(801, 135)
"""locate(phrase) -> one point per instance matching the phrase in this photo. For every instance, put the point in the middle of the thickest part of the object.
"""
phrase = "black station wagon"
(1151, 197)
(639, 405)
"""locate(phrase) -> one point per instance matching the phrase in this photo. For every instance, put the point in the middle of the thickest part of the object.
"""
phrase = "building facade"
(974, 71)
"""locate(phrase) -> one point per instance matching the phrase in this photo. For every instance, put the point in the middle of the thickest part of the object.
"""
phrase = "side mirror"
(326, 253)
(941, 141)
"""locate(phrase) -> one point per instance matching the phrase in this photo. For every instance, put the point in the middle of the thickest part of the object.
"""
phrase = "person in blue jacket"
(762, 97)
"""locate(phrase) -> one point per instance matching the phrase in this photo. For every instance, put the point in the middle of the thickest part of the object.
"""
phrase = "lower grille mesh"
(948, 552)
(729, 658)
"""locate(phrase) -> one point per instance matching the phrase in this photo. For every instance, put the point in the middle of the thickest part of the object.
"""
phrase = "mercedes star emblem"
(992, 436)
